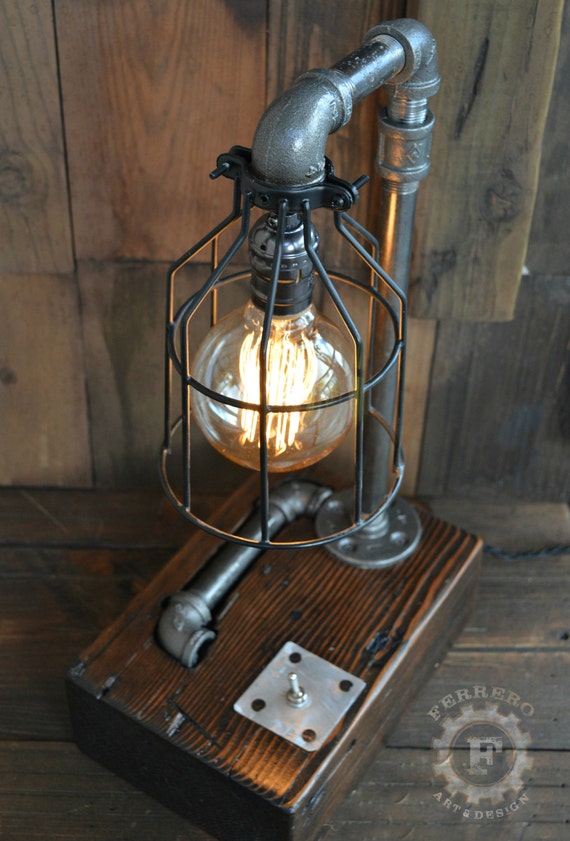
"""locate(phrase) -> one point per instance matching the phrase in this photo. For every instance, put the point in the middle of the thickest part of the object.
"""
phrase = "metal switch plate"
(331, 692)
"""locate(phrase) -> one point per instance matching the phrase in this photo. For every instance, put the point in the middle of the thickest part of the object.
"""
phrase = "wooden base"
(174, 733)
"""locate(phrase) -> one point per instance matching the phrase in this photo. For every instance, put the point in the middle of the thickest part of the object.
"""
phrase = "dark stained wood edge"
(216, 800)
(185, 785)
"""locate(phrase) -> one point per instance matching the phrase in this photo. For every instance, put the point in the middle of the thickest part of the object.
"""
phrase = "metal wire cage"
(386, 305)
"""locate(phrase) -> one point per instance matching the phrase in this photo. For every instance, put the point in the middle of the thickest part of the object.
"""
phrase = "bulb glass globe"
(309, 360)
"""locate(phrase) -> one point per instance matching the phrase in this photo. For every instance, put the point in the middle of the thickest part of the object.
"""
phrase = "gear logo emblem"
(481, 754)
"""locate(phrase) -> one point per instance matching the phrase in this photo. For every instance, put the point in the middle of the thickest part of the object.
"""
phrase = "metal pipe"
(183, 626)
(405, 140)
(406, 128)
(289, 146)
(289, 143)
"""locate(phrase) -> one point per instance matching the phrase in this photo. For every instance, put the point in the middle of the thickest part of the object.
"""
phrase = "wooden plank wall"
(112, 116)
(497, 419)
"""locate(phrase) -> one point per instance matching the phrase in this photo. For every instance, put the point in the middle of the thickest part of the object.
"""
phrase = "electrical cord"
(544, 552)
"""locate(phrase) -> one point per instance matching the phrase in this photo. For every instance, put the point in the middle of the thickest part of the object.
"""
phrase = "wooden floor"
(69, 563)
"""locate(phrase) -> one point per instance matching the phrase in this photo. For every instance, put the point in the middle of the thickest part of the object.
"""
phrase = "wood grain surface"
(469, 255)
(35, 226)
(548, 242)
(43, 405)
(153, 93)
(134, 708)
(113, 114)
(54, 600)
(505, 430)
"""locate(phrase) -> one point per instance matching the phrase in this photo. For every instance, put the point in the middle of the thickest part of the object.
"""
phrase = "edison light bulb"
(308, 360)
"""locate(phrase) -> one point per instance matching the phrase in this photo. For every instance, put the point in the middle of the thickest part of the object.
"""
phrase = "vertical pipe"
(403, 160)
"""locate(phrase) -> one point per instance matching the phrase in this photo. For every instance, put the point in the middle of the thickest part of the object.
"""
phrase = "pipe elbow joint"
(182, 627)
(419, 76)
(299, 498)
(289, 143)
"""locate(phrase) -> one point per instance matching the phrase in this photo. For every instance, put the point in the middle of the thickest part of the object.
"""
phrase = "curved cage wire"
(381, 293)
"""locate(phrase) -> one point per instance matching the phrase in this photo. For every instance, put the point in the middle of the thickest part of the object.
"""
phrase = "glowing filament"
(291, 375)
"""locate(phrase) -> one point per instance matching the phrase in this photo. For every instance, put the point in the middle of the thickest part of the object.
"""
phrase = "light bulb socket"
(296, 271)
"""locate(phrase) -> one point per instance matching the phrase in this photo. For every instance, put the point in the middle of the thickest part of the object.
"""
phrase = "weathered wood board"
(75, 567)
(242, 781)
(51, 789)
(498, 412)
(43, 407)
(475, 210)
(522, 611)
(548, 252)
(90, 518)
(123, 319)
(35, 230)
(153, 93)
(509, 524)
(539, 680)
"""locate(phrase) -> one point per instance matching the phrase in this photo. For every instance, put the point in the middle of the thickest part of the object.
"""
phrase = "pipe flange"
(395, 539)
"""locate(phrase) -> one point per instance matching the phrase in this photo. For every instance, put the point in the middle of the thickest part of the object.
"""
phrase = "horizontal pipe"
(183, 626)
(289, 143)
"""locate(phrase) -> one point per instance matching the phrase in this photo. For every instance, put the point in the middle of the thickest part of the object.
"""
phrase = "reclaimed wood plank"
(401, 786)
(43, 406)
(548, 242)
(35, 226)
(497, 419)
(123, 310)
(90, 518)
(171, 86)
(497, 67)
(50, 790)
(123, 306)
(73, 798)
(131, 519)
(520, 604)
(523, 831)
(534, 613)
(431, 595)
(514, 525)
(539, 678)
(54, 602)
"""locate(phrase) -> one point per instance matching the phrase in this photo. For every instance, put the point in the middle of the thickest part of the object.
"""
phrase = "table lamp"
(252, 681)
